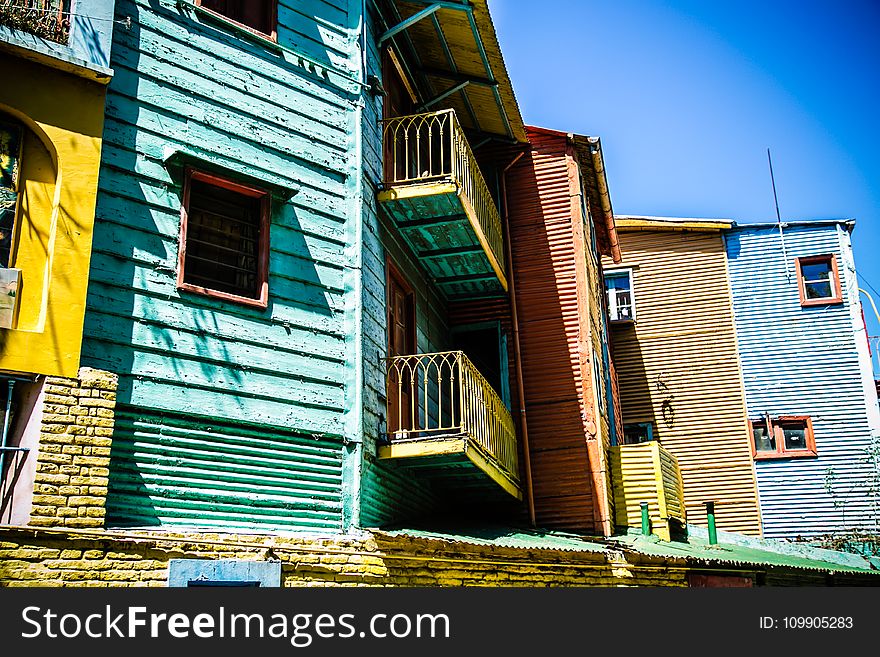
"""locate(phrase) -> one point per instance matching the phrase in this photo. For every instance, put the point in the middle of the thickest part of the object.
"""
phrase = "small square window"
(259, 16)
(818, 281)
(786, 437)
(641, 432)
(224, 243)
(618, 287)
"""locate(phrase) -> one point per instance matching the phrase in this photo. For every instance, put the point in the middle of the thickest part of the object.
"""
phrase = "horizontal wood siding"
(678, 369)
(805, 361)
(234, 414)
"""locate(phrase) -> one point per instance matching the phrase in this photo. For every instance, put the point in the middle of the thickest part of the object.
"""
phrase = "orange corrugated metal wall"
(550, 307)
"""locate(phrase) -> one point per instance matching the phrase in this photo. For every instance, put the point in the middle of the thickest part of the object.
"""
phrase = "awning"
(459, 63)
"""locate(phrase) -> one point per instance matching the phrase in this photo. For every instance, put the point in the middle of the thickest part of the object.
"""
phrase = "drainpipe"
(646, 519)
(604, 196)
(527, 463)
(710, 519)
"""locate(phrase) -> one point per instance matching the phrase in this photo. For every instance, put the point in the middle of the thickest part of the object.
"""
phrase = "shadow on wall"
(173, 350)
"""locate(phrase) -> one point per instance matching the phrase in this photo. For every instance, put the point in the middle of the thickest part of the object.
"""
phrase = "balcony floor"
(452, 462)
(438, 224)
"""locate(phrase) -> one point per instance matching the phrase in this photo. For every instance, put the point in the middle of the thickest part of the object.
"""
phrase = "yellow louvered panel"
(678, 368)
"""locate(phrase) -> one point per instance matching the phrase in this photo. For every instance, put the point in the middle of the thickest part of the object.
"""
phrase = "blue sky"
(687, 96)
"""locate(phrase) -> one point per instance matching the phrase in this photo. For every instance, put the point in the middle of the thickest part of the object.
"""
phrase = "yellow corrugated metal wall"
(646, 473)
(678, 368)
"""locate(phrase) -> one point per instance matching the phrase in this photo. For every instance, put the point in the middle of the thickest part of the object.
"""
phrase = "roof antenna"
(778, 217)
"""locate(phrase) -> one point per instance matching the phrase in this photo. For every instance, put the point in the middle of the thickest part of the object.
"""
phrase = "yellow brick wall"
(100, 558)
(70, 485)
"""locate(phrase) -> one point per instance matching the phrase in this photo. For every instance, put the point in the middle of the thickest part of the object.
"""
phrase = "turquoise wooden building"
(296, 200)
(810, 395)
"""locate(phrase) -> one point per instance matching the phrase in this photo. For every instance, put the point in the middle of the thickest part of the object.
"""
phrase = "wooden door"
(401, 342)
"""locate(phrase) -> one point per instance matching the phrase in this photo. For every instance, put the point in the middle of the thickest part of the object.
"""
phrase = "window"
(256, 15)
(641, 432)
(818, 281)
(224, 240)
(11, 138)
(621, 305)
(785, 437)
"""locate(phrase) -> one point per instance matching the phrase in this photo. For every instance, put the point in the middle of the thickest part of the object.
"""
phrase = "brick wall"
(58, 557)
(70, 485)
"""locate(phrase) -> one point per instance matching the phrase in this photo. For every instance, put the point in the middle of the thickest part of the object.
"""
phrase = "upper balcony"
(67, 35)
(435, 193)
(446, 420)
(43, 18)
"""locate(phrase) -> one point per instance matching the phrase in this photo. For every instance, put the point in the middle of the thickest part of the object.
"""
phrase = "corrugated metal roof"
(735, 550)
(508, 537)
(760, 554)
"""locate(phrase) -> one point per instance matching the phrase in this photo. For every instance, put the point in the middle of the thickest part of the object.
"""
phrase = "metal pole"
(6, 418)
(778, 217)
(710, 518)
(646, 519)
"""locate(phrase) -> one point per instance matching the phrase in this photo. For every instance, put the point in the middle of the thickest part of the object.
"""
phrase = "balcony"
(434, 192)
(43, 18)
(647, 472)
(445, 420)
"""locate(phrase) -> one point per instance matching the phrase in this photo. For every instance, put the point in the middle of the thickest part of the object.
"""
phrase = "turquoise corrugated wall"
(805, 361)
(229, 416)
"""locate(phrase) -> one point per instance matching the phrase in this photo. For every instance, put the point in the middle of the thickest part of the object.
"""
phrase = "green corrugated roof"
(749, 552)
(735, 550)
(509, 537)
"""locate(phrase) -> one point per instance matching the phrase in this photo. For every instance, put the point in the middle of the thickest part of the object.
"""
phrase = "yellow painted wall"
(679, 369)
(63, 116)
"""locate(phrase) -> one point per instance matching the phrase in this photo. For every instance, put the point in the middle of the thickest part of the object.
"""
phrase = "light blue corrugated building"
(806, 369)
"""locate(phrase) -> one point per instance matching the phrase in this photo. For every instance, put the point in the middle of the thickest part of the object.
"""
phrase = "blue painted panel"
(804, 361)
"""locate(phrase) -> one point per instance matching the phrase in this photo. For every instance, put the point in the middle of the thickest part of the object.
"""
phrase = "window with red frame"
(257, 15)
(818, 281)
(785, 437)
(224, 241)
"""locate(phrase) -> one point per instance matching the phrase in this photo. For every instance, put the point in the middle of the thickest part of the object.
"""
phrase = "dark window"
(642, 432)
(785, 437)
(224, 239)
(258, 15)
(818, 281)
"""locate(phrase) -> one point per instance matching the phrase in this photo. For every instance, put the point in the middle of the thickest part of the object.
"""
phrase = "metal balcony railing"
(44, 18)
(432, 396)
(432, 147)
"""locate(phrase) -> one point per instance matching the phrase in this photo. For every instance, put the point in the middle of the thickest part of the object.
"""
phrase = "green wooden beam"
(452, 251)
(412, 20)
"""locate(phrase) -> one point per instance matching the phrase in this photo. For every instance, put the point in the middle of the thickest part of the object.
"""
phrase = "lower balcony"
(435, 194)
(446, 421)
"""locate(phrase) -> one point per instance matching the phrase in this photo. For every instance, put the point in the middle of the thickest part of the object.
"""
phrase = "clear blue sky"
(688, 95)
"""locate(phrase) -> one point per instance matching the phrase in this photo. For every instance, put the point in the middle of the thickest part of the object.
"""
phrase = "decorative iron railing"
(432, 147)
(443, 394)
(44, 18)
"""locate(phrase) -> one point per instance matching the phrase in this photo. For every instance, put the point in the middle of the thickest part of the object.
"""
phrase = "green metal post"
(646, 519)
(710, 519)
